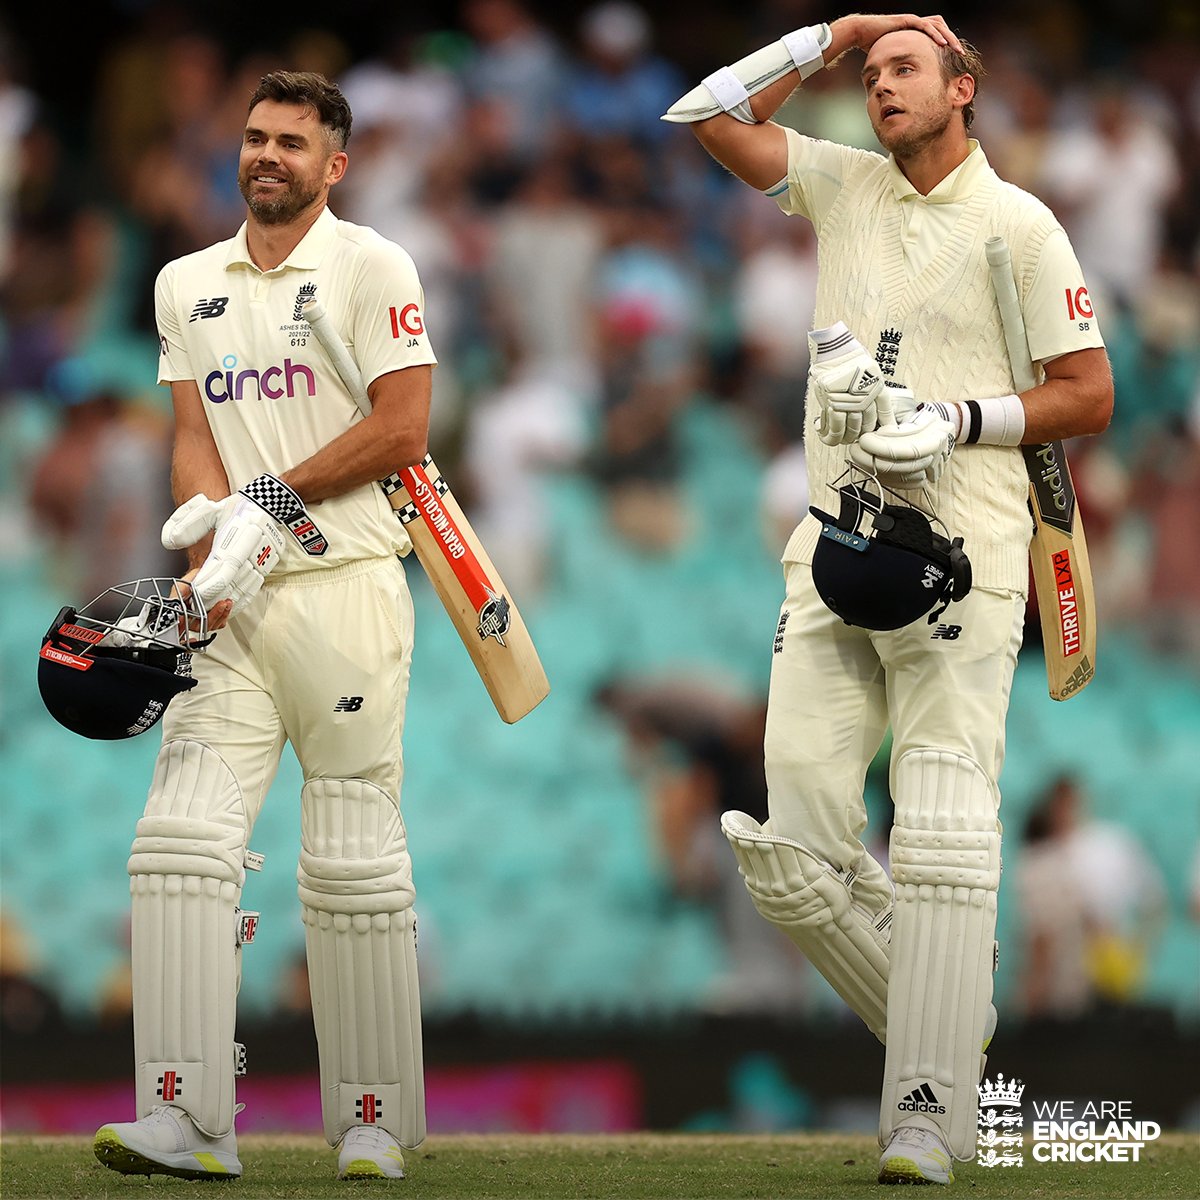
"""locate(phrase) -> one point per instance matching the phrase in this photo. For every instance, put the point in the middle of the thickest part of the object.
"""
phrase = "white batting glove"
(909, 455)
(846, 385)
(246, 546)
(248, 539)
(894, 405)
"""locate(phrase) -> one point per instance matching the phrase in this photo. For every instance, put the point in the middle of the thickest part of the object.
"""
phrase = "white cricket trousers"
(321, 659)
(834, 690)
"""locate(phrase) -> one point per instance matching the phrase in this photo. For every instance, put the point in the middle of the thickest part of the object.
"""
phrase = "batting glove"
(248, 540)
(909, 455)
(846, 385)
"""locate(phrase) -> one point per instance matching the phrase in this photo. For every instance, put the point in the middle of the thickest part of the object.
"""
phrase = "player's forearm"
(1060, 409)
(1079, 405)
(365, 453)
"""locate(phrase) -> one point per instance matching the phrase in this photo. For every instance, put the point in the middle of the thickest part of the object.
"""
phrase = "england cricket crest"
(494, 617)
(888, 351)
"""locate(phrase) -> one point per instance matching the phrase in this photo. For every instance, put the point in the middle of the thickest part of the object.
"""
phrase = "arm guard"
(729, 89)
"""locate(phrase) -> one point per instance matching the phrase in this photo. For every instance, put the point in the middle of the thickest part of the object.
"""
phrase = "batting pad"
(360, 932)
(945, 854)
(811, 903)
(186, 876)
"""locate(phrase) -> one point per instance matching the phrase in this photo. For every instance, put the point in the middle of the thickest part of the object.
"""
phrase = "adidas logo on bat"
(1081, 675)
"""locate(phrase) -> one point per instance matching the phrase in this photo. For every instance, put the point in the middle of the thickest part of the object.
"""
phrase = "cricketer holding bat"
(295, 546)
(904, 300)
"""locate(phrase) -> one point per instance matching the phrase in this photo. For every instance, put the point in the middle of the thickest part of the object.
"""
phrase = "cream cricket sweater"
(938, 332)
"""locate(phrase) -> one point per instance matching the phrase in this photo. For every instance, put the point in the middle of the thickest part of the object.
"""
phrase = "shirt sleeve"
(387, 314)
(1059, 317)
(817, 170)
(173, 360)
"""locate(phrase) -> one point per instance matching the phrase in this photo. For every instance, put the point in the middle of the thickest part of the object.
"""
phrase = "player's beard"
(923, 129)
(280, 208)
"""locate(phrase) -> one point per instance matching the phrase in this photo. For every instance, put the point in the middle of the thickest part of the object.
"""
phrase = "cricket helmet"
(890, 574)
(108, 670)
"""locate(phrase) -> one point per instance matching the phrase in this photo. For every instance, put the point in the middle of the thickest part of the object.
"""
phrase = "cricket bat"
(462, 574)
(1058, 553)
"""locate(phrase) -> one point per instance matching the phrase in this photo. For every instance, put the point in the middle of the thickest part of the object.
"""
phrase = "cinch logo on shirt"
(231, 384)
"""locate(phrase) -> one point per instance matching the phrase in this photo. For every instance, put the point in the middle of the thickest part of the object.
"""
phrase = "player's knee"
(354, 853)
(946, 832)
(788, 883)
(194, 824)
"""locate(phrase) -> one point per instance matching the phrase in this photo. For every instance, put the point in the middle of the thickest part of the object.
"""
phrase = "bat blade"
(1062, 574)
(463, 576)
(470, 589)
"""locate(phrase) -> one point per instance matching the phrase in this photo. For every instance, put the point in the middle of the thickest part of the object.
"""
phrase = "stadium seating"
(538, 889)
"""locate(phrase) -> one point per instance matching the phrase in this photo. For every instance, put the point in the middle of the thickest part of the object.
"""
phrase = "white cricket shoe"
(915, 1155)
(370, 1153)
(166, 1142)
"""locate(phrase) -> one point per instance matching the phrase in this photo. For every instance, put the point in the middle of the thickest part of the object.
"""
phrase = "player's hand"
(248, 539)
(218, 616)
(908, 455)
(866, 29)
(247, 545)
(895, 404)
(846, 384)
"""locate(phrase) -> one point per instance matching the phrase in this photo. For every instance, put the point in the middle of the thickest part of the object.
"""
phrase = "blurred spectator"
(17, 107)
(1110, 183)
(1169, 495)
(531, 425)
(649, 319)
(545, 254)
(1194, 886)
(101, 487)
(26, 1007)
(183, 183)
(697, 747)
(1017, 148)
(407, 104)
(774, 291)
(620, 88)
(516, 77)
(1091, 904)
(1053, 919)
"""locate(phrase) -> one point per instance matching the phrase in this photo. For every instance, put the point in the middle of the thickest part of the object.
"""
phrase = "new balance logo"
(368, 1108)
(922, 1099)
(948, 633)
(348, 704)
(208, 308)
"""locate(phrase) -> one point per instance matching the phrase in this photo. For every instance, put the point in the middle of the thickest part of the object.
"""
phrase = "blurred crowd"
(590, 276)
(589, 273)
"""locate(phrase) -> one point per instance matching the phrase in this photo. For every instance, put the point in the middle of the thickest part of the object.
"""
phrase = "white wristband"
(998, 421)
(730, 94)
(805, 47)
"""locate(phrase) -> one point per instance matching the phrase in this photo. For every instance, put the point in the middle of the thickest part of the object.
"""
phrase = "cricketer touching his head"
(294, 553)
(904, 299)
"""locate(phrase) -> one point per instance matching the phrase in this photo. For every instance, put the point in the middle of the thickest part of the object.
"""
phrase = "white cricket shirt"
(271, 395)
(1057, 309)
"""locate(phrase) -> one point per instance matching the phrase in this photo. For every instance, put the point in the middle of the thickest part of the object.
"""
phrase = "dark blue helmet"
(109, 669)
(890, 574)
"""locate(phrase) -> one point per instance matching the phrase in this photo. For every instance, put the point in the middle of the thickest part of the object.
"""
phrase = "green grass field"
(637, 1166)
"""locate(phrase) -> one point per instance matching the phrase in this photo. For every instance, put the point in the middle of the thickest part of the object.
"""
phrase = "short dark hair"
(955, 64)
(312, 91)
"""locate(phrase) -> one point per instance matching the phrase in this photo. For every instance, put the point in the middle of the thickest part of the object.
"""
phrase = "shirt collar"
(956, 187)
(306, 256)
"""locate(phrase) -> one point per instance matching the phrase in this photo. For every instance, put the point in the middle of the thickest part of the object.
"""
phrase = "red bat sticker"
(1068, 605)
